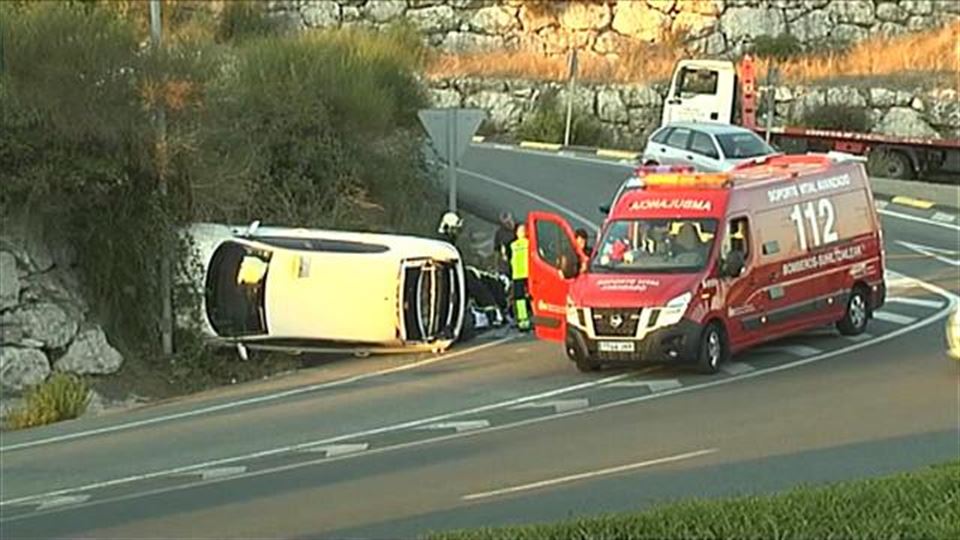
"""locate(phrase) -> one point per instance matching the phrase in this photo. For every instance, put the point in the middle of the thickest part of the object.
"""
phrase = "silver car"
(707, 147)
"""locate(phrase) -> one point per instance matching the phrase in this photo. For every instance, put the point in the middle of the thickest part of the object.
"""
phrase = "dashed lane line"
(933, 304)
(558, 405)
(250, 401)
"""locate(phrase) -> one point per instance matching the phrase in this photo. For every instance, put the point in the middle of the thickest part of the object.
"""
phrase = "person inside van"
(688, 242)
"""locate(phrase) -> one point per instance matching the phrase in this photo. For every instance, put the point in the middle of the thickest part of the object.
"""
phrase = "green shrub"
(780, 47)
(245, 19)
(548, 124)
(314, 130)
(837, 117)
(61, 397)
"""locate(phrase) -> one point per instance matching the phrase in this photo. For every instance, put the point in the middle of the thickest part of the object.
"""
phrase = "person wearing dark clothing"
(502, 239)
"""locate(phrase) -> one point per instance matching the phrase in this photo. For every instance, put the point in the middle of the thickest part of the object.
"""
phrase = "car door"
(551, 243)
(702, 152)
(674, 149)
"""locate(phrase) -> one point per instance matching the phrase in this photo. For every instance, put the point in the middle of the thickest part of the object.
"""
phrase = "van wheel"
(854, 320)
(713, 349)
(587, 365)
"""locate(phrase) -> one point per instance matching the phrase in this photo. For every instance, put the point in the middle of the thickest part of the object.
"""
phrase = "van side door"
(552, 252)
(740, 301)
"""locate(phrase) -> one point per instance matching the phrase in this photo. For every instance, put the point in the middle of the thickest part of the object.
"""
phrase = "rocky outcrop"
(90, 354)
(22, 368)
(714, 27)
(42, 311)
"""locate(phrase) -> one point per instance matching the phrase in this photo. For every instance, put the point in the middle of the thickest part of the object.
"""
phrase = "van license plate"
(616, 346)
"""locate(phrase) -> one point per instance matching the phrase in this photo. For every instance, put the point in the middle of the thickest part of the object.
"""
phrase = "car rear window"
(743, 146)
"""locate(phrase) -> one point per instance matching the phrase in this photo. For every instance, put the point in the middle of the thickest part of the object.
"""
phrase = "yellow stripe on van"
(910, 201)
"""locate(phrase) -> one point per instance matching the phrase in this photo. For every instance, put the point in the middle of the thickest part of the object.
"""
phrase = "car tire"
(890, 164)
(713, 349)
(855, 317)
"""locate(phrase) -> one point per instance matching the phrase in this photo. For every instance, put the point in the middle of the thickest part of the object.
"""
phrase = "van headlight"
(680, 302)
(674, 309)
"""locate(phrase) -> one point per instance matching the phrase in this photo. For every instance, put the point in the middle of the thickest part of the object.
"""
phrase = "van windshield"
(656, 246)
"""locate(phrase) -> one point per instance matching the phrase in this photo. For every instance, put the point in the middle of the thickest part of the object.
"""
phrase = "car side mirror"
(605, 209)
(733, 265)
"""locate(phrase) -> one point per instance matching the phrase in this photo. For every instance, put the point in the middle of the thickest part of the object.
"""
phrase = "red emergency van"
(693, 267)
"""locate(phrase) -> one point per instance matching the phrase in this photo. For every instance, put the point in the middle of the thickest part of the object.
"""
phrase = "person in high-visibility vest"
(519, 263)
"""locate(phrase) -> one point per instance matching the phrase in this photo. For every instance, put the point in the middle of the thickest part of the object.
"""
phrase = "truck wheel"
(890, 164)
(854, 320)
(713, 349)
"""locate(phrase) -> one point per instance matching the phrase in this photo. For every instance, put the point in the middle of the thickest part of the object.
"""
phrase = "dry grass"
(934, 52)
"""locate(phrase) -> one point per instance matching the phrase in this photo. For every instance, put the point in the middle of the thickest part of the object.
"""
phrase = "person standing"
(519, 263)
(502, 239)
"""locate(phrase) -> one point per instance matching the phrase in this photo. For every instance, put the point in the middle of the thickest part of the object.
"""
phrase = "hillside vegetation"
(935, 52)
(312, 129)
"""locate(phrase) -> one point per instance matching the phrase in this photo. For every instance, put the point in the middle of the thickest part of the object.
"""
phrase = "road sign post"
(450, 131)
(570, 90)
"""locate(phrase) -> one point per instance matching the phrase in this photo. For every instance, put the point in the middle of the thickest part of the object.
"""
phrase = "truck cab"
(701, 91)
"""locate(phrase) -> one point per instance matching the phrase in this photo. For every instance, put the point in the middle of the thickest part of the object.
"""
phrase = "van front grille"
(616, 322)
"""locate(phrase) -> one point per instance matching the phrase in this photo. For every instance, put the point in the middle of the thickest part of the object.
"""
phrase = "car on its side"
(705, 146)
(310, 290)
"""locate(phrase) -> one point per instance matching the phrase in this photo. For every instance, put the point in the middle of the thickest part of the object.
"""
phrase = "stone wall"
(606, 27)
(630, 113)
(43, 317)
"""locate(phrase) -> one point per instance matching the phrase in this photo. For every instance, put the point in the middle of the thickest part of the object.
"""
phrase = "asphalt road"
(507, 431)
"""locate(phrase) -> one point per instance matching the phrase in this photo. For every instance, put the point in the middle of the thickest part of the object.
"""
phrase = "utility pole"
(166, 277)
(451, 158)
(570, 88)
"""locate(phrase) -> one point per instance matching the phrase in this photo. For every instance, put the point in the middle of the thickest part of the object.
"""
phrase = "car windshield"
(743, 146)
(656, 246)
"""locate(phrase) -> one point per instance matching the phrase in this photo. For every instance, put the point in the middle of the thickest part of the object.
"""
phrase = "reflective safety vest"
(518, 258)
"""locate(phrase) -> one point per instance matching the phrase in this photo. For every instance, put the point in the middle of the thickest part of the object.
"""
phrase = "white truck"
(721, 91)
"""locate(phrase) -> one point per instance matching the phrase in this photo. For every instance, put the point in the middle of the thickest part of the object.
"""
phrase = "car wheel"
(586, 364)
(854, 320)
(713, 349)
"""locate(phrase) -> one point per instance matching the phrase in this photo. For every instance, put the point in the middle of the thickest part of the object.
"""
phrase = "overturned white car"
(308, 290)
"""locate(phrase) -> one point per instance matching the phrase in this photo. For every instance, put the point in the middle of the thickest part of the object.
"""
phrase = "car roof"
(714, 128)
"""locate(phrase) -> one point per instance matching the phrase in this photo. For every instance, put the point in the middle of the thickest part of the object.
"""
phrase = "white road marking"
(915, 301)
(58, 502)
(894, 318)
(588, 475)
(220, 472)
(932, 252)
(795, 350)
(332, 450)
(859, 337)
(466, 425)
(880, 205)
(558, 405)
(943, 217)
(330, 440)
(735, 368)
(528, 194)
(654, 385)
(908, 217)
(249, 401)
